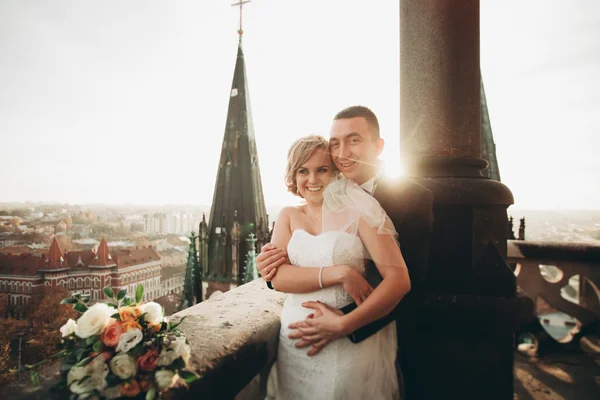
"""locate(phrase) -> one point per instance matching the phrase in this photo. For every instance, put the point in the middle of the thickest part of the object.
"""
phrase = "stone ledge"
(233, 338)
(580, 252)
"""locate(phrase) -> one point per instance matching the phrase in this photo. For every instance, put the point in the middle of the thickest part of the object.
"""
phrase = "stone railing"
(563, 280)
(233, 337)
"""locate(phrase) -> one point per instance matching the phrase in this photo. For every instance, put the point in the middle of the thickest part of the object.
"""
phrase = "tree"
(47, 315)
(9, 330)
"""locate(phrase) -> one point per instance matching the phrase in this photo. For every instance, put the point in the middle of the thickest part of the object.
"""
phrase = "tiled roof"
(24, 264)
(55, 257)
(128, 257)
(16, 250)
(103, 256)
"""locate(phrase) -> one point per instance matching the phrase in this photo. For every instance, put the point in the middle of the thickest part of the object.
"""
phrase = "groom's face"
(354, 150)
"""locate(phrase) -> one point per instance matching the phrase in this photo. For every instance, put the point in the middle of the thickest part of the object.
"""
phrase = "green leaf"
(178, 364)
(66, 367)
(177, 324)
(116, 316)
(79, 355)
(138, 350)
(85, 298)
(68, 300)
(98, 346)
(84, 362)
(189, 377)
(109, 292)
(35, 378)
(151, 394)
(121, 294)
(77, 295)
(91, 340)
(139, 293)
(80, 307)
(127, 301)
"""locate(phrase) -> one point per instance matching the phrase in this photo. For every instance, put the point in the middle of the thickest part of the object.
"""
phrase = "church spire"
(238, 187)
(187, 298)
(488, 147)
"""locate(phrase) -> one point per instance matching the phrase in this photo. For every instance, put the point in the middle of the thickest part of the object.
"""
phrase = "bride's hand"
(356, 285)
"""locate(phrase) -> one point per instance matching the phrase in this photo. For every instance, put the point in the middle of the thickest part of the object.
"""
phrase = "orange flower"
(130, 324)
(106, 354)
(130, 389)
(147, 362)
(145, 385)
(155, 327)
(112, 334)
(129, 313)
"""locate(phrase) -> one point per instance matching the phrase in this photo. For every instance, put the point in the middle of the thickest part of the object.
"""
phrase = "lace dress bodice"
(325, 250)
(342, 369)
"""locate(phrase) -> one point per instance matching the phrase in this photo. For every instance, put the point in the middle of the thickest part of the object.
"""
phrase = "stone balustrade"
(233, 337)
(563, 280)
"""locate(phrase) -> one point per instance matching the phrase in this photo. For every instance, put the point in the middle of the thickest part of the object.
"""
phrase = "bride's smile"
(314, 175)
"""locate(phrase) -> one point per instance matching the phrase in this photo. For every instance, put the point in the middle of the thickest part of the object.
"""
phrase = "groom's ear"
(380, 144)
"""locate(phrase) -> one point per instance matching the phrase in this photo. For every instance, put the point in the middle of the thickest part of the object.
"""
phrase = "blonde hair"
(299, 153)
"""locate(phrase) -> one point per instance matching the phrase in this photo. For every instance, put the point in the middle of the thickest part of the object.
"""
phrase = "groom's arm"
(415, 237)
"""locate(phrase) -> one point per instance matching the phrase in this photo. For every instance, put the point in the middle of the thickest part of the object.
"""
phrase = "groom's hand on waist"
(319, 329)
(269, 259)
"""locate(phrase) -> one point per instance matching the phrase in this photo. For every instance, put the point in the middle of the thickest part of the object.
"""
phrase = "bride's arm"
(386, 254)
(293, 279)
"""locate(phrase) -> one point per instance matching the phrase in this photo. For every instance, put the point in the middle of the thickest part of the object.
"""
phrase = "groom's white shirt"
(369, 185)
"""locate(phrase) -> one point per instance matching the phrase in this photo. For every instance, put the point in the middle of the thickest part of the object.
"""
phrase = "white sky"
(125, 101)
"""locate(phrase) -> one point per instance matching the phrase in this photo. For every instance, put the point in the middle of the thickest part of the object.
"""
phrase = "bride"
(328, 239)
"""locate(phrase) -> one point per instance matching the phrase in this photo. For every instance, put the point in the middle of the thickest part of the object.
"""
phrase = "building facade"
(23, 276)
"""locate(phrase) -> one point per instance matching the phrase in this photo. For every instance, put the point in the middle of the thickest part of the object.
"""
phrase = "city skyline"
(119, 103)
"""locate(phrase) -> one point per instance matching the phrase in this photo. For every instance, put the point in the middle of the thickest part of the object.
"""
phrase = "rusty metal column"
(468, 309)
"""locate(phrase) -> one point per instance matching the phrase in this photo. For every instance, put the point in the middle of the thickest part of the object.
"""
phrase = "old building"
(86, 271)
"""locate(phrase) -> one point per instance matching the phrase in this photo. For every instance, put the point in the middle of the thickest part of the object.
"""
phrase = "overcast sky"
(125, 101)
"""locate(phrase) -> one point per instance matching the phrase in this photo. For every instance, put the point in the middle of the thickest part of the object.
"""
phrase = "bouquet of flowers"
(123, 348)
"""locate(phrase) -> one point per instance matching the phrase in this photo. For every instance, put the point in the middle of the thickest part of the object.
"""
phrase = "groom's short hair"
(364, 112)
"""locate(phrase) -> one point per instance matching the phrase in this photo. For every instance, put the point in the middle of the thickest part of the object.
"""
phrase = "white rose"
(113, 392)
(93, 320)
(123, 366)
(153, 311)
(129, 340)
(181, 348)
(177, 348)
(96, 372)
(68, 328)
(98, 366)
(164, 379)
(166, 358)
(76, 373)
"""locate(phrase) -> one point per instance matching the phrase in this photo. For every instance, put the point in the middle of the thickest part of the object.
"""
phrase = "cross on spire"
(241, 4)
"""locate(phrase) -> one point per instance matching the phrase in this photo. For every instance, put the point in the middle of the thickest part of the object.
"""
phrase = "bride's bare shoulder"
(290, 211)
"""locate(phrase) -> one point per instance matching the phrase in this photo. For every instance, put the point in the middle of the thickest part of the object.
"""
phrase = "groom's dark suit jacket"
(410, 207)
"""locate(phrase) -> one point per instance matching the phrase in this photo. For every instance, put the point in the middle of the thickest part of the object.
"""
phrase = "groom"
(355, 146)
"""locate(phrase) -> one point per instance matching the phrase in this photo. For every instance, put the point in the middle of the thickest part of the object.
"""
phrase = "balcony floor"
(560, 375)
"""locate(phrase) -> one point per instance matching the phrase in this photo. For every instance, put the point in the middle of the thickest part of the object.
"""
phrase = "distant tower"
(250, 271)
(238, 205)
(511, 232)
(522, 229)
(488, 147)
(202, 265)
(187, 297)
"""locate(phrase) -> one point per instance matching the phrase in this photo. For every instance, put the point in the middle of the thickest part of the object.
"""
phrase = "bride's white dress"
(342, 369)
